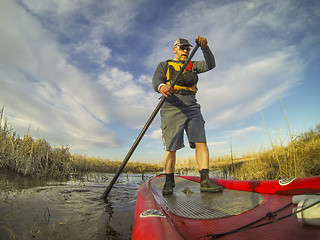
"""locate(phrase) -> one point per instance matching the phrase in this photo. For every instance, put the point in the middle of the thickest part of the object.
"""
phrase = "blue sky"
(78, 73)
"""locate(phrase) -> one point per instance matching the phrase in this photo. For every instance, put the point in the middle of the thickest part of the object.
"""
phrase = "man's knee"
(170, 155)
(171, 152)
(201, 144)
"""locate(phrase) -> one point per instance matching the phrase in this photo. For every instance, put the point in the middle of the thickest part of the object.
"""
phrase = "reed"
(36, 158)
(299, 158)
(30, 157)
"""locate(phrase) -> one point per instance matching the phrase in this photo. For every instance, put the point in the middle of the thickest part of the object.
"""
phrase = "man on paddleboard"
(181, 112)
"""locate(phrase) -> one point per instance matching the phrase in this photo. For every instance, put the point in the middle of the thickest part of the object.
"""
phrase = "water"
(67, 210)
(31, 209)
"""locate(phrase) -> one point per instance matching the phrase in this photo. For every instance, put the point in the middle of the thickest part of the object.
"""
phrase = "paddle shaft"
(146, 126)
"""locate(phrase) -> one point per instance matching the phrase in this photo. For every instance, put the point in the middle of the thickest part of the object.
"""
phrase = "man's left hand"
(201, 41)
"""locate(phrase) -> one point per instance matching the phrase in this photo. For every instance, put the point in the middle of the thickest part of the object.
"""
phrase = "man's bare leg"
(169, 160)
(202, 155)
(202, 158)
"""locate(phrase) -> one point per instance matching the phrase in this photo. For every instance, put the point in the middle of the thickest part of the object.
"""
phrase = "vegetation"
(300, 158)
(36, 158)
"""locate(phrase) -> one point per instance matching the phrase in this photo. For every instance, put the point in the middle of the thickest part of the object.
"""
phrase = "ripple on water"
(68, 210)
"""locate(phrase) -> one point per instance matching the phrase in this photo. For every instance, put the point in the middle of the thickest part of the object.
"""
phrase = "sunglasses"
(183, 48)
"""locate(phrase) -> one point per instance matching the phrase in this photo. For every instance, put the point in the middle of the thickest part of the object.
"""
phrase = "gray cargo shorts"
(174, 121)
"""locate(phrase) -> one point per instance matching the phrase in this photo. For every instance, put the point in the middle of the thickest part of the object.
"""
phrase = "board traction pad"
(187, 201)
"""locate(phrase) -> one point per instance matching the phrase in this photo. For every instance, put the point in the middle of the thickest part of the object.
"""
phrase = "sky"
(78, 73)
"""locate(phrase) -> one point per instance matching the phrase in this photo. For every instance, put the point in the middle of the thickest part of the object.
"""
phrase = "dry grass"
(36, 158)
(30, 157)
(300, 158)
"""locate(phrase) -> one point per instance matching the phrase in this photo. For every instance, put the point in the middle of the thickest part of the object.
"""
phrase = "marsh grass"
(299, 158)
(30, 157)
(36, 158)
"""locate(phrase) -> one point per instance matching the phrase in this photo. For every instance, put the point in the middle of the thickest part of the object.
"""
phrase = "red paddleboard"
(244, 210)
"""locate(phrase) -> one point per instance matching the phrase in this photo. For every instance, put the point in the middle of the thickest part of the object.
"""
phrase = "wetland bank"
(48, 193)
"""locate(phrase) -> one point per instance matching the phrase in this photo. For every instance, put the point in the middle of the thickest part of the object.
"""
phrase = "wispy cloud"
(241, 91)
(246, 132)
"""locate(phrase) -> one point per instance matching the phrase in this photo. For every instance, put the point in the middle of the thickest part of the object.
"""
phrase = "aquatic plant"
(299, 158)
(36, 158)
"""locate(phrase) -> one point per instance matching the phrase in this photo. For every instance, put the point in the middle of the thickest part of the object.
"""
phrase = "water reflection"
(67, 210)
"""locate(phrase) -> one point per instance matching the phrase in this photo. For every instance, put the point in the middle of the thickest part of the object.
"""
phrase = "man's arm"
(159, 76)
(207, 64)
(159, 80)
(209, 58)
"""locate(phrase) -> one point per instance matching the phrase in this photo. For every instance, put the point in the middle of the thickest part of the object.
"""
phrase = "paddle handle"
(145, 128)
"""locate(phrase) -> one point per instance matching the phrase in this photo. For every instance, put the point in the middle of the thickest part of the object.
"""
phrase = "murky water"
(67, 210)
(32, 209)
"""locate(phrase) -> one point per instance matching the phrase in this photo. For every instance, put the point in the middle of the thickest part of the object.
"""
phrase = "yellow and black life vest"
(188, 79)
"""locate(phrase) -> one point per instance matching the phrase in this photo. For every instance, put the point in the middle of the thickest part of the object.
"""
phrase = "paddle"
(146, 126)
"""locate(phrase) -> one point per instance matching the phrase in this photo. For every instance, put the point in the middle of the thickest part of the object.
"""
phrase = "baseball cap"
(182, 42)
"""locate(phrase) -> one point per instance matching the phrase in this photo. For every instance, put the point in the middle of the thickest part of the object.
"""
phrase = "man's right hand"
(166, 90)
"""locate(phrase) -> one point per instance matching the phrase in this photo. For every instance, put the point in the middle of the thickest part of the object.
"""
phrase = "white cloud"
(38, 83)
(156, 134)
(95, 50)
(234, 93)
(120, 83)
(132, 104)
(144, 79)
(245, 132)
(82, 27)
(68, 68)
(216, 144)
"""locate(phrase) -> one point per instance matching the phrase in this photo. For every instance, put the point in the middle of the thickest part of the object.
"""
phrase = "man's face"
(181, 53)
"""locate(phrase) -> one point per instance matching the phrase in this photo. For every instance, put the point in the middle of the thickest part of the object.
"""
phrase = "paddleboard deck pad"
(189, 214)
(187, 201)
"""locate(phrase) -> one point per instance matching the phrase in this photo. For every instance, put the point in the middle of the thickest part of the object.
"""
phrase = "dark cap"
(182, 42)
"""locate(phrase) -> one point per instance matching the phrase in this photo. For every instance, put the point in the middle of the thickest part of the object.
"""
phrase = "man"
(181, 112)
